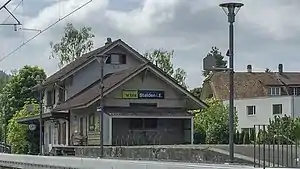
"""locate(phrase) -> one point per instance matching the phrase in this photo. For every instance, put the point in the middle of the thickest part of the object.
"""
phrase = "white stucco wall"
(264, 109)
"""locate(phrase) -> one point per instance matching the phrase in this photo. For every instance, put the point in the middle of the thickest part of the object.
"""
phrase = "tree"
(220, 62)
(18, 90)
(214, 121)
(163, 59)
(283, 127)
(18, 134)
(73, 44)
(197, 92)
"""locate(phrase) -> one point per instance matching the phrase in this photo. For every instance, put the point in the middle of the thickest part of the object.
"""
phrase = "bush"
(236, 137)
(18, 133)
(246, 139)
(217, 134)
(214, 121)
(199, 136)
(241, 138)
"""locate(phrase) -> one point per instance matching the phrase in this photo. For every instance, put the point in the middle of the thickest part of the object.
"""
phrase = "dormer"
(274, 91)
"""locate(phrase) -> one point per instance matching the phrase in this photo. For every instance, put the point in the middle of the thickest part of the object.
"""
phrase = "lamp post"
(101, 59)
(40, 81)
(231, 10)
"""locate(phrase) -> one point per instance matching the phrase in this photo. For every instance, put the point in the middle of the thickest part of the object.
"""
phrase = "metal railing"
(274, 150)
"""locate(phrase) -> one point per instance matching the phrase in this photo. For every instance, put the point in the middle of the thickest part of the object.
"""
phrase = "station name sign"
(143, 94)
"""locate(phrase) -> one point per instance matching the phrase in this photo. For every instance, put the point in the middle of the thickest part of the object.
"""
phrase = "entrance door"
(49, 136)
(64, 133)
(59, 134)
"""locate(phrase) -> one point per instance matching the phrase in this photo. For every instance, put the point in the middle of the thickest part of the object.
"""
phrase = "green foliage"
(221, 63)
(18, 90)
(73, 44)
(196, 92)
(237, 137)
(246, 139)
(163, 59)
(214, 121)
(241, 138)
(280, 127)
(18, 133)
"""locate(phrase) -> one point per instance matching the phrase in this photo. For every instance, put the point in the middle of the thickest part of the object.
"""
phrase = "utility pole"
(40, 90)
(100, 109)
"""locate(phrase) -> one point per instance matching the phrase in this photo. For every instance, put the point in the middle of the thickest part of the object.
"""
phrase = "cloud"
(266, 32)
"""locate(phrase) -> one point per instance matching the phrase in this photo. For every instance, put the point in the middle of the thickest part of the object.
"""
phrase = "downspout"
(293, 106)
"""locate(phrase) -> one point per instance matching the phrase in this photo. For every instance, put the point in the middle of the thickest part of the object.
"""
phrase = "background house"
(143, 105)
(259, 96)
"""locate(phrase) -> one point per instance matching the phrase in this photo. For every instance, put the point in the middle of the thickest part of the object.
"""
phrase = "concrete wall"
(168, 131)
(264, 109)
(41, 162)
(149, 82)
(178, 153)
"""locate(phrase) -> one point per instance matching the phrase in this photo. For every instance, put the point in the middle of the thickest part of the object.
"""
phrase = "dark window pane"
(136, 123)
(150, 123)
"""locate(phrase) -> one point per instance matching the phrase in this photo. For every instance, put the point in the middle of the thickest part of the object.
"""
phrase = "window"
(143, 124)
(81, 125)
(274, 91)
(116, 59)
(295, 91)
(136, 123)
(277, 109)
(150, 123)
(250, 110)
(92, 122)
(50, 97)
(61, 95)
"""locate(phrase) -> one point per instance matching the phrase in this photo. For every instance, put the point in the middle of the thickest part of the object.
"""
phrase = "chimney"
(108, 41)
(249, 68)
(280, 68)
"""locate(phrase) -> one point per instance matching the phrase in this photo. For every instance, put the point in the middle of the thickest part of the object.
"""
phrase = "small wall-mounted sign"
(130, 94)
(143, 94)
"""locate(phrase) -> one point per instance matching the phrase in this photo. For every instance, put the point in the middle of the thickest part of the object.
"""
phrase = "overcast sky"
(267, 32)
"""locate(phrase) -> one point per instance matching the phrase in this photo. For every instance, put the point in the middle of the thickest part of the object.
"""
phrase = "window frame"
(280, 109)
(253, 110)
(120, 57)
(273, 91)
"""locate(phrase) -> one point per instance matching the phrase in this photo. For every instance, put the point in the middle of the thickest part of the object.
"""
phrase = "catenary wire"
(44, 30)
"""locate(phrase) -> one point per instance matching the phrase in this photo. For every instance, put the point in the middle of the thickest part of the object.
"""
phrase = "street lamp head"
(231, 10)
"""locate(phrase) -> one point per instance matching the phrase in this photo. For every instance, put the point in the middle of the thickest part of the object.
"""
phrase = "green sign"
(130, 94)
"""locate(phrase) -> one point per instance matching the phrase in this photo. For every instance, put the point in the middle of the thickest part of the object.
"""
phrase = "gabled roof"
(77, 64)
(92, 93)
(251, 84)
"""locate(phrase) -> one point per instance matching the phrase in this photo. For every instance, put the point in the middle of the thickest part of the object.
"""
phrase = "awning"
(35, 119)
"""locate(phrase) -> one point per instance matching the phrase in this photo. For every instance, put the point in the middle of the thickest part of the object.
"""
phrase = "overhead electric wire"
(44, 30)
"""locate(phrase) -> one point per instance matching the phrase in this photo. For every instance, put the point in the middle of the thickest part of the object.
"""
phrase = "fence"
(274, 150)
